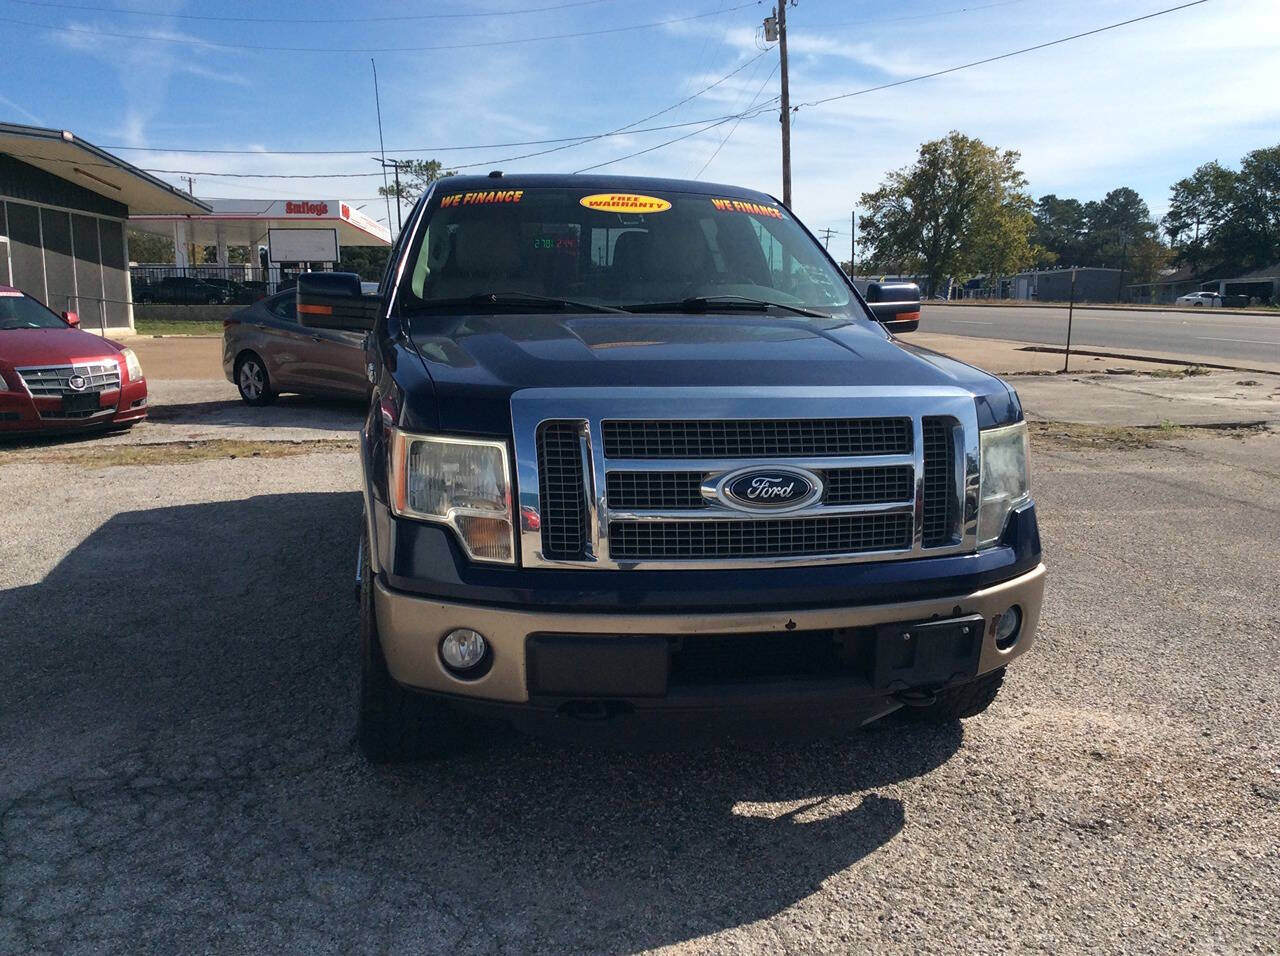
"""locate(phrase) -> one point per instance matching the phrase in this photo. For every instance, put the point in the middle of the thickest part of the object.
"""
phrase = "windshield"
(23, 312)
(576, 248)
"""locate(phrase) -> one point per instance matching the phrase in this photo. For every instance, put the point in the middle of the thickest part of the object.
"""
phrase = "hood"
(52, 346)
(476, 362)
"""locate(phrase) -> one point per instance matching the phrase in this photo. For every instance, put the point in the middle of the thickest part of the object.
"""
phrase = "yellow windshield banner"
(751, 208)
(624, 202)
(489, 198)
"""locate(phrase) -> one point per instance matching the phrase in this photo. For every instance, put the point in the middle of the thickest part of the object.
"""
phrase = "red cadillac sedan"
(53, 377)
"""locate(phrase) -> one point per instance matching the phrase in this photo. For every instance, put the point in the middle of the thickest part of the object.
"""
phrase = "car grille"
(624, 490)
(750, 538)
(832, 437)
(54, 380)
(564, 506)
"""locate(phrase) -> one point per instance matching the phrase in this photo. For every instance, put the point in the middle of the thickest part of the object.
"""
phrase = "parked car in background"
(236, 292)
(1205, 299)
(186, 290)
(265, 352)
(54, 377)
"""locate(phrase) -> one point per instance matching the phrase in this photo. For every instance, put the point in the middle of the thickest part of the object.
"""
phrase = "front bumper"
(22, 413)
(411, 627)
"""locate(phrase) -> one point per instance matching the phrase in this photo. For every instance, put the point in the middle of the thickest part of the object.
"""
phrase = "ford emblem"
(769, 489)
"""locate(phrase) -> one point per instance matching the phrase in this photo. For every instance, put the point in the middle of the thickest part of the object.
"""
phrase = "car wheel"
(957, 703)
(394, 724)
(253, 381)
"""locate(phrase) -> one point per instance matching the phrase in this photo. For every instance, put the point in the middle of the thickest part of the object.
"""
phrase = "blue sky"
(1139, 106)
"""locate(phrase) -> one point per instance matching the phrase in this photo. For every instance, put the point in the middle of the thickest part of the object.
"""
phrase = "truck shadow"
(178, 768)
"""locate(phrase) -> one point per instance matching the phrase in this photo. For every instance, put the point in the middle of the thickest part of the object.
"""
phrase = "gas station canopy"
(244, 222)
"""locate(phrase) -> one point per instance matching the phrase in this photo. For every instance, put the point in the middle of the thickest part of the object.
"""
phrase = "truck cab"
(638, 453)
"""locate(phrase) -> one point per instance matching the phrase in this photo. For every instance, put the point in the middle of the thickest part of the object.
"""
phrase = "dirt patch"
(1189, 371)
(173, 453)
(1069, 436)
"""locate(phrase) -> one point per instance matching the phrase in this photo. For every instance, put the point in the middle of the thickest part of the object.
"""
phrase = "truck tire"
(957, 703)
(393, 724)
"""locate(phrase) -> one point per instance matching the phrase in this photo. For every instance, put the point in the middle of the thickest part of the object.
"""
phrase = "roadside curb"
(1139, 357)
(1120, 307)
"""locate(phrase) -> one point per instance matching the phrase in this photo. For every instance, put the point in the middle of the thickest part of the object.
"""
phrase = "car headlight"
(463, 483)
(132, 365)
(1006, 483)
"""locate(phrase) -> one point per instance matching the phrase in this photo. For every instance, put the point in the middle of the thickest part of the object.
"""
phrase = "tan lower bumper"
(411, 628)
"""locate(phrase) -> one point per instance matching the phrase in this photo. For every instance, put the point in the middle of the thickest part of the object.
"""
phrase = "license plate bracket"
(82, 402)
(927, 653)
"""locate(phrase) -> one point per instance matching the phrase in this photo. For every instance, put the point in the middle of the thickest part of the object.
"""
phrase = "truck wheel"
(957, 703)
(393, 724)
(253, 381)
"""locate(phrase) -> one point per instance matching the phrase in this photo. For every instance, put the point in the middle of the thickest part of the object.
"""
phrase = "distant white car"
(1205, 299)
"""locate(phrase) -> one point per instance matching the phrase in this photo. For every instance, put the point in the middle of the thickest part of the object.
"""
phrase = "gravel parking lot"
(178, 773)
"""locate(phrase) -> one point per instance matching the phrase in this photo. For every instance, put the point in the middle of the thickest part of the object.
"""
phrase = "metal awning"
(66, 156)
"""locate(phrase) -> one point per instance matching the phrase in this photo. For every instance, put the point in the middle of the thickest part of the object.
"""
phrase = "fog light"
(463, 649)
(1007, 627)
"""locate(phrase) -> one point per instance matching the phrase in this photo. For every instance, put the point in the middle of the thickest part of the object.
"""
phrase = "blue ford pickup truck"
(638, 451)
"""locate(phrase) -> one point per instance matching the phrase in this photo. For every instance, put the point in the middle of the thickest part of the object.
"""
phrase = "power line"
(1002, 56)
(213, 44)
(651, 149)
(734, 128)
(756, 111)
(309, 19)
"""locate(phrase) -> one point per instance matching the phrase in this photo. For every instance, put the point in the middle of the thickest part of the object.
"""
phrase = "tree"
(1059, 231)
(961, 208)
(148, 247)
(1228, 221)
(368, 261)
(415, 176)
(1113, 225)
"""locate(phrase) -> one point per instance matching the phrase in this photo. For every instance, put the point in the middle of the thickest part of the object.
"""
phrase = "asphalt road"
(178, 773)
(1204, 336)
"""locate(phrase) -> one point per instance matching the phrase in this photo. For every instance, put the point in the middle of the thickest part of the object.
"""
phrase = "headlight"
(132, 365)
(1005, 480)
(463, 483)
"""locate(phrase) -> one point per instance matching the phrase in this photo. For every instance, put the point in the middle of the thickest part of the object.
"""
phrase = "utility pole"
(826, 238)
(853, 242)
(393, 164)
(775, 28)
(786, 104)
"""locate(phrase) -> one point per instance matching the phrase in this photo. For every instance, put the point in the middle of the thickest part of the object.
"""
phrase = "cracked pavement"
(178, 772)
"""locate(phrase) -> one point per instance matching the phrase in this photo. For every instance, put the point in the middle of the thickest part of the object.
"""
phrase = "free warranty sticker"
(624, 202)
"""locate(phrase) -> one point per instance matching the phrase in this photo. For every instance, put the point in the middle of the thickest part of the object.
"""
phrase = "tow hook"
(916, 697)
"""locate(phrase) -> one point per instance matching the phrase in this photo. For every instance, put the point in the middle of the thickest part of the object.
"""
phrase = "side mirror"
(896, 305)
(71, 319)
(333, 300)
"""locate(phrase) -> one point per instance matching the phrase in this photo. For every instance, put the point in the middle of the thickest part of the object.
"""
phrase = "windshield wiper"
(707, 303)
(516, 298)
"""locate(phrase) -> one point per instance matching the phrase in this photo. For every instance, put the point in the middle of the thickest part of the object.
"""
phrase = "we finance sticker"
(751, 208)
(624, 202)
(491, 197)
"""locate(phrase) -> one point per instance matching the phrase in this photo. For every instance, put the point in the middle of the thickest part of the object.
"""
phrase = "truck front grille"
(46, 381)
(564, 506)
(788, 438)
(754, 538)
(620, 480)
